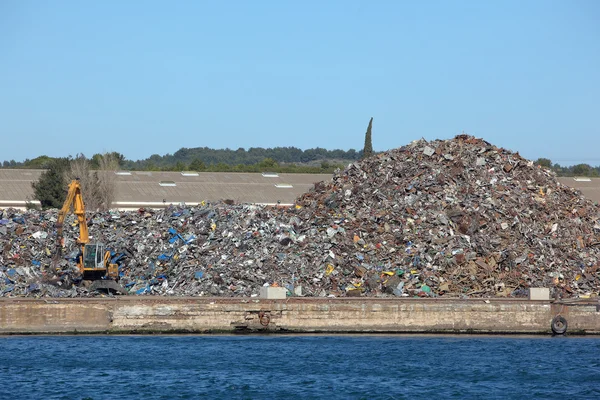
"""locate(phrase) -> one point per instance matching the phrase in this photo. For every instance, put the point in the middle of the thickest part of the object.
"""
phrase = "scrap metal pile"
(452, 218)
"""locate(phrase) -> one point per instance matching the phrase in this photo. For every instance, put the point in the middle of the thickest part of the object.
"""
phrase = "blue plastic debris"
(11, 272)
(164, 257)
(198, 274)
(116, 258)
(189, 238)
(399, 290)
(3, 221)
(33, 287)
(36, 262)
(143, 290)
(19, 220)
(416, 261)
(7, 289)
(175, 236)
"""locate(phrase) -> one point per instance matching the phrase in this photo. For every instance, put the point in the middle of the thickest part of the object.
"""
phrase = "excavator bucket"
(108, 286)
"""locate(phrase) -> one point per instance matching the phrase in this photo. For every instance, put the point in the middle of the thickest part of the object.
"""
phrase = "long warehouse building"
(137, 189)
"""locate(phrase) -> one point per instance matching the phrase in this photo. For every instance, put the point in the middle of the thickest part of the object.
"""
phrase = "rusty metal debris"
(452, 218)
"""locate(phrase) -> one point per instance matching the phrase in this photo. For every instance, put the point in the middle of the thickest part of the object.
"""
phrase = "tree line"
(97, 178)
(211, 160)
(573, 170)
(285, 159)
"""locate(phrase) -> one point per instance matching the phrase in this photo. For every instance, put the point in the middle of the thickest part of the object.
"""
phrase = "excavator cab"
(96, 262)
(93, 257)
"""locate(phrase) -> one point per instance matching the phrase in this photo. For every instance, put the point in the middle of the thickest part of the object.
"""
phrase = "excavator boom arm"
(94, 260)
(74, 200)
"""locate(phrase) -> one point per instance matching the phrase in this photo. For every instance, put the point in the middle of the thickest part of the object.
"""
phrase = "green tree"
(582, 169)
(116, 156)
(544, 162)
(197, 165)
(51, 188)
(38, 162)
(150, 166)
(222, 167)
(95, 161)
(239, 168)
(99, 159)
(368, 149)
(268, 163)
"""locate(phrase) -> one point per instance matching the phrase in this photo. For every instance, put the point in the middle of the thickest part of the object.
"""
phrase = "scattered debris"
(452, 218)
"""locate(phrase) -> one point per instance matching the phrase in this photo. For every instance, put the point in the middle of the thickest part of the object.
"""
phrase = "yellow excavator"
(94, 260)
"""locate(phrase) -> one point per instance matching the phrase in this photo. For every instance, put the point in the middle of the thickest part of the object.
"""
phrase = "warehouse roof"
(15, 186)
(590, 187)
(149, 188)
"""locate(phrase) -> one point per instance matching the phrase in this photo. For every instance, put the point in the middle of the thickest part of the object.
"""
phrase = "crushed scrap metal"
(452, 218)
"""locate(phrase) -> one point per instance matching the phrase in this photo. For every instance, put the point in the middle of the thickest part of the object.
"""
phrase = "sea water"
(299, 367)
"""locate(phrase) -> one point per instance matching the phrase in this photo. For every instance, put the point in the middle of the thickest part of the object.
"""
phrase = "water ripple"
(298, 367)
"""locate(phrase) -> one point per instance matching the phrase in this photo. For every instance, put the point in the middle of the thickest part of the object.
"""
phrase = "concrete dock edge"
(167, 315)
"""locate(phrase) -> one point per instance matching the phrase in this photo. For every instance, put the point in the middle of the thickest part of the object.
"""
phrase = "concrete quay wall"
(293, 315)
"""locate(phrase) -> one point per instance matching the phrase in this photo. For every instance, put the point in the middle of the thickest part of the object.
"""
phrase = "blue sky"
(150, 77)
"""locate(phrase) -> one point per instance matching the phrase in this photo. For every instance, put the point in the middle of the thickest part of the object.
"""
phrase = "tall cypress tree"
(368, 149)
